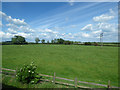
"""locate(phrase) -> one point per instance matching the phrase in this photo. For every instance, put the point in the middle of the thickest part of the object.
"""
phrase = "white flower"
(32, 72)
(32, 81)
(21, 69)
(29, 71)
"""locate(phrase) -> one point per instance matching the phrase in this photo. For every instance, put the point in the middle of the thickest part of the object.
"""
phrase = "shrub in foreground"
(27, 74)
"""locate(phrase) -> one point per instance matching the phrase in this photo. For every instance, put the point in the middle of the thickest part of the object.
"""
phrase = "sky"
(74, 21)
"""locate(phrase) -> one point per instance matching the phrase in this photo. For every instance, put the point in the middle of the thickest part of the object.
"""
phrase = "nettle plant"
(27, 74)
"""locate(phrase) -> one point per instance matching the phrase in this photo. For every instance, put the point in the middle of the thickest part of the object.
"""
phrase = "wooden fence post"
(54, 78)
(16, 71)
(75, 82)
(108, 83)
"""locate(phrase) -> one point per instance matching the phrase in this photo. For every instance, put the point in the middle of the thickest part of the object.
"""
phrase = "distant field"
(87, 63)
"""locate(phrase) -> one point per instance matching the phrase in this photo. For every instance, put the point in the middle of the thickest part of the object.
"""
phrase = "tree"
(52, 41)
(18, 40)
(37, 40)
(43, 40)
(48, 42)
(87, 43)
(95, 44)
(67, 42)
(55, 41)
(60, 41)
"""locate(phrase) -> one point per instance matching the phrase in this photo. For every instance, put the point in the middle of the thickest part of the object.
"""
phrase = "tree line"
(20, 40)
(56, 41)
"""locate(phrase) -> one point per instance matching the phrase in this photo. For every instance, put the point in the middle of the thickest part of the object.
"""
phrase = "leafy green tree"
(67, 42)
(52, 41)
(18, 40)
(37, 40)
(87, 43)
(71, 42)
(60, 41)
(43, 40)
(55, 41)
(48, 42)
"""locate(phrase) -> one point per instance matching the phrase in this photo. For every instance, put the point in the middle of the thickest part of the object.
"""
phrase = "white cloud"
(85, 35)
(1, 33)
(111, 11)
(4, 35)
(47, 31)
(12, 31)
(103, 18)
(44, 34)
(9, 25)
(71, 2)
(26, 29)
(75, 36)
(110, 30)
(15, 27)
(18, 22)
(66, 36)
(69, 33)
(8, 35)
(97, 32)
(88, 27)
(24, 34)
(3, 14)
(12, 26)
(13, 20)
(106, 27)
(63, 34)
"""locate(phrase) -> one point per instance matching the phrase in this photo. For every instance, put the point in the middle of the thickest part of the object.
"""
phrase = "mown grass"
(87, 63)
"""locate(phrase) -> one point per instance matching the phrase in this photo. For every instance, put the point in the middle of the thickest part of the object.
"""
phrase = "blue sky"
(77, 21)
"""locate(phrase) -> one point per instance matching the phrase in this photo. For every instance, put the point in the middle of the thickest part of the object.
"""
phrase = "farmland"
(87, 63)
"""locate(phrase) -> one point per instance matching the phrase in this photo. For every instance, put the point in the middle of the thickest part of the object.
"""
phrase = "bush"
(95, 44)
(28, 74)
(87, 43)
(7, 43)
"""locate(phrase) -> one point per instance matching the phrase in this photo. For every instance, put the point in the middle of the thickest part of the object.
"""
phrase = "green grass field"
(87, 63)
